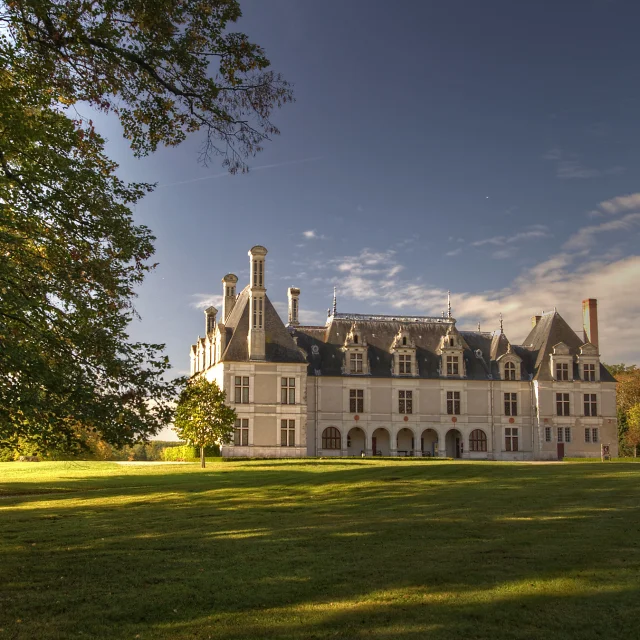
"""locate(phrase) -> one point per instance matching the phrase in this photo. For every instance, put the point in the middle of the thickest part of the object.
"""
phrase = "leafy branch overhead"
(165, 68)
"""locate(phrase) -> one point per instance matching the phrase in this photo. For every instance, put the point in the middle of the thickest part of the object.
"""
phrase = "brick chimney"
(590, 320)
(293, 294)
(535, 320)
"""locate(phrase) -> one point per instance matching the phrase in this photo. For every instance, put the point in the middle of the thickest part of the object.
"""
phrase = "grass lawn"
(320, 549)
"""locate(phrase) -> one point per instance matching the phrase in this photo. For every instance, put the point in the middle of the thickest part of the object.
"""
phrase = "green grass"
(320, 549)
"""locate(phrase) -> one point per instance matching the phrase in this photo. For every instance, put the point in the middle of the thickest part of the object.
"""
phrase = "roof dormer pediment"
(354, 337)
(561, 349)
(403, 340)
(588, 349)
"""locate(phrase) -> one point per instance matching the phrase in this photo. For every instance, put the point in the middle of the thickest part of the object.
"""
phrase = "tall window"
(511, 439)
(453, 368)
(478, 440)
(453, 403)
(405, 401)
(405, 363)
(589, 372)
(257, 313)
(355, 363)
(241, 433)
(562, 371)
(242, 389)
(288, 433)
(331, 438)
(547, 434)
(595, 436)
(510, 404)
(590, 405)
(356, 400)
(288, 391)
(562, 404)
(510, 371)
(564, 434)
(258, 273)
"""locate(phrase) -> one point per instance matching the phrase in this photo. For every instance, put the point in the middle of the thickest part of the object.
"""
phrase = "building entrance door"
(560, 450)
(373, 445)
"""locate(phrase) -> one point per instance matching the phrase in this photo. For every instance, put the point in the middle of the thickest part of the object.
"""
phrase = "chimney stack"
(535, 320)
(293, 294)
(257, 303)
(228, 294)
(590, 320)
(210, 323)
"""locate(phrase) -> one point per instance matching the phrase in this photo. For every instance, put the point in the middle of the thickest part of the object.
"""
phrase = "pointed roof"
(279, 345)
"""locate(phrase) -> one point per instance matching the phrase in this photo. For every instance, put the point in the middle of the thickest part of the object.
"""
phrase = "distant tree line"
(628, 407)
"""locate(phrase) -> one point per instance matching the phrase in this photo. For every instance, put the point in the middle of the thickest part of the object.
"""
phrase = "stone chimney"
(535, 320)
(210, 322)
(257, 298)
(293, 294)
(590, 320)
(228, 294)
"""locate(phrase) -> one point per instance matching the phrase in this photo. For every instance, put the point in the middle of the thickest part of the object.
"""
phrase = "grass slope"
(320, 549)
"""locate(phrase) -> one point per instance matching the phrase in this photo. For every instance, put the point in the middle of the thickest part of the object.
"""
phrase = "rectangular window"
(562, 404)
(453, 368)
(595, 435)
(587, 435)
(355, 363)
(242, 389)
(510, 404)
(404, 362)
(590, 405)
(453, 403)
(589, 372)
(288, 391)
(241, 433)
(405, 401)
(567, 434)
(356, 400)
(562, 371)
(547, 434)
(560, 434)
(511, 439)
(287, 433)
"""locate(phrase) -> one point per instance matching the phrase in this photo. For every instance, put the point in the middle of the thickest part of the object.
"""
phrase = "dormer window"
(453, 366)
(403, 351)
(561, 363)
(404, 363)
(589, 363)
(355, 339)
(355, 363)
(510, 371)
(404, 341)
(589, 372)
(562, 371)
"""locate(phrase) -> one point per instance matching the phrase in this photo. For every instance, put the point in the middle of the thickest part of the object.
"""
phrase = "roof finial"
(335, 302)
(501, 324)
(449, 304)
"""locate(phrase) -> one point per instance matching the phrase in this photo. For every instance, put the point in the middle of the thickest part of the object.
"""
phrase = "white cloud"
(204, 300)
(585, 237)
(569, 166)
(621, 203)
(454, 252)
(535, 231)
(310, 234)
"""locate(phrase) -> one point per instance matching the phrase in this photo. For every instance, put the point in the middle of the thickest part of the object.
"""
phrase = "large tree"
(202, 417)
(627, 396)
(70, 252)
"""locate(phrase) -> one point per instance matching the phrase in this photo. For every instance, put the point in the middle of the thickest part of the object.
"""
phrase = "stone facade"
(366, 385)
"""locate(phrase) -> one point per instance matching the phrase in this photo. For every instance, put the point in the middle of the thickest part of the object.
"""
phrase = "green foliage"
(71, 256)
(188, 453)
(164, 68)
(627, 396)
(632, 436)
(202, 418)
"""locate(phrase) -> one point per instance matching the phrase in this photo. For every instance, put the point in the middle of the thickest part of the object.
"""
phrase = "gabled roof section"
(279, 345)
(551, 330)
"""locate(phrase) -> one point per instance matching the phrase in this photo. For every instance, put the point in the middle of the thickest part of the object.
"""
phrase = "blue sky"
(489, 148)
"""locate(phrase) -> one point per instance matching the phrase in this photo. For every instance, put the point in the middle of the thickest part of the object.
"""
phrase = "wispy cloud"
(534, 231)
(225, 174)
(454, 252)
(569, 166)
(585, 237)
(204, 300)
(310, 234)
(616, 205)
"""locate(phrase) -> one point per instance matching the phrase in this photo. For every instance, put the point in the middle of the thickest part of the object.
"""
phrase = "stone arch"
(381, 442)
(405, 441)
(429, 442)
(356, 441)
(454, 443)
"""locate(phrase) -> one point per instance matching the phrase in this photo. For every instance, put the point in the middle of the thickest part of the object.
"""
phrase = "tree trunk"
(202, 462)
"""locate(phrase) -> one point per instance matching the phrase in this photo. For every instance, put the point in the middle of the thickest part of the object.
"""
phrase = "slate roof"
(323, 346)
(279, 345)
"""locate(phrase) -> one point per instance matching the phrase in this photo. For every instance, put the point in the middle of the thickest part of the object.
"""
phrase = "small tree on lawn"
(202, 418)
(632, 436)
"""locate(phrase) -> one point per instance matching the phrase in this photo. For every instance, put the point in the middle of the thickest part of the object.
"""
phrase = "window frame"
(510, 403)
(454, 403)
(331, 436)
(511, 439)
(478, 441)
(287, 432)
(405, 401)
(562, 371)
(509, 370)
(563, 404)
(356, 401)
(241, 432)
(404, 364)
(241, 389)
(287, 390)
(548, 435)
(590, 401)
(356, 362)
(453, 365)
(589, 374)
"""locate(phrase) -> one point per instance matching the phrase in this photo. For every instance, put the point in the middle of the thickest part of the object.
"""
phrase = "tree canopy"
(71, 254)
(202, 417)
